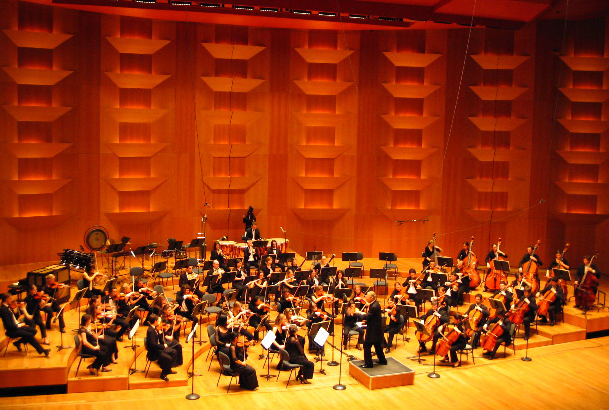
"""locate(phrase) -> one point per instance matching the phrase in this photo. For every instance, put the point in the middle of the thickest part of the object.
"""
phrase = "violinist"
(459, 344)
(483, 315)
(428, 281)
(218, 255)
(187, 301)
(591, 269)
(105, 319)
(223, 334)
(443, 318)
(287, 300)
(172, 342)
(115, 313)
(237, 320)
(312, 281)
(452, 290)
(238, 356)
(260, 315)
(350, 319)
(398, 294)
(174, 321)
(531, 313)
(359, 298)
(158, 349)
(142, 289)
(88, 277)
(443, 300)
(495, 253)
(294, 346)
(191, 278)
(429, 253)
(555, 304)
(91, 346)
(319, 300)
(374, 332)
(338, 281)
(15, 329)
(293, 318)
(250, 256)
(505, 337)
(34, 302)
(396, 322)
(268, 267)
(52, 305)
(414, 282)
(281, 332)
(240, 275)
(216, 287)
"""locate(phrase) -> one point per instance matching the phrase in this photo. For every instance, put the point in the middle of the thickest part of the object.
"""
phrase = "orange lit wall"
(134, 124)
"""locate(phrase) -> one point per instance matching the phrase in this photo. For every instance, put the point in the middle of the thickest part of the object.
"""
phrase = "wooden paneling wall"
(135, 124)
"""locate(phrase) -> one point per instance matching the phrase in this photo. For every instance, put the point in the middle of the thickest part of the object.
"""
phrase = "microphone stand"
(339, 386)
(193, 395)
(526, 357)
(333, 362)
(434, 375)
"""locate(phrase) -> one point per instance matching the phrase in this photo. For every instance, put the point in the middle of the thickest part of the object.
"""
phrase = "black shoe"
(552, 323)
(384, 362)
(367, 366)
(491, 356)
(62, 330)
(526, 338)
(46, 352)
(17, 345)
(543, 320)
(387, 350)
(164, 377)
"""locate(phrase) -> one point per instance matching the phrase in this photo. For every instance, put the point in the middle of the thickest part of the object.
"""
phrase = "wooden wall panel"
(145, 126)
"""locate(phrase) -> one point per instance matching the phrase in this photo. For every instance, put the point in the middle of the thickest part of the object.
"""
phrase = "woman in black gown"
(293, 345)
(247, 374)
(90, 345)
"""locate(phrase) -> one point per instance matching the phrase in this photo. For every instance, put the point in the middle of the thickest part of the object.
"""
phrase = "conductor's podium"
(392, 374)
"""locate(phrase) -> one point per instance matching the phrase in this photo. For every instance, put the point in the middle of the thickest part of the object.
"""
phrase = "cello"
(489, 340)
(431, 323)
(546, 300)
(530, 271)
(443, 346)
(518, 312)
(585, 294)
(494, 276)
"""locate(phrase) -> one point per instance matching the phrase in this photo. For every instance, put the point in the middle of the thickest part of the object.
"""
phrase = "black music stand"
(342, 294)
(420, 327)
(315, 327)
(497, 305)
(77, 297)
(445, 261)
(407, 312)
(388, 257)
(379, 274)
(302, 291)
(284, 257)
(425, 295)
(197, 243)
(353, 273)
(339, 385)
(562, 274)
(197, 311)
(276, 277)
(301, 275)
(193, 395)
(325, 273)
(439, 279)
(313, 257)
(501, 265)
(134, 347)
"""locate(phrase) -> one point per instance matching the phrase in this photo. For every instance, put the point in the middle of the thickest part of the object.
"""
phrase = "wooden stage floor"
(567, 371)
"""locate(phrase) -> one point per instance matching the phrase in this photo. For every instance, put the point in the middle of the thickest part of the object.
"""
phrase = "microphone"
(282, 230)
(206, 204)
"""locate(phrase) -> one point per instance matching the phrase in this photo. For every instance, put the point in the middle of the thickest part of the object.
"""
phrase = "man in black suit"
(374, 332)
(158, 349)
(253, 233)
(15, 329)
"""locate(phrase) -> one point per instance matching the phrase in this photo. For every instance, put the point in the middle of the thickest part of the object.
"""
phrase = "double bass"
(561, 282)
(530, 269)
(495, 276)
(585, 294)
(470, 267)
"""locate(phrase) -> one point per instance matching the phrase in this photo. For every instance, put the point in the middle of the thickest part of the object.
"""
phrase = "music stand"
(301, 275)
(498, 305)
(228, 277)
(425, 295)
(193, 395)
(134, 346)
(302, 291)
(420, 327)
(342, 294)
(266, 343)
(439, 278)
(198, 311)
(349, 256)
(196, 243)
(407, 312)
(327, 272)
(319, 334)
(313, 257)
(353, 273)
(502, 265)
(61, 345)
(562, 274)
(445, 261)
(77, 297)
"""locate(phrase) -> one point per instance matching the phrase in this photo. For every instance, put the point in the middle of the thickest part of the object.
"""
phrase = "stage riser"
(33, 376)
(98, 384)
(388, 376)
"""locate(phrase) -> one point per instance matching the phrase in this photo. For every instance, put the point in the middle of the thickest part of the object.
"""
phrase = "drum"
(228, 248)
(239, 248)
(281, 244)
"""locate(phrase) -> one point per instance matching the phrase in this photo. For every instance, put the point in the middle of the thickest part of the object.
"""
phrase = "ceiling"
(350, 14)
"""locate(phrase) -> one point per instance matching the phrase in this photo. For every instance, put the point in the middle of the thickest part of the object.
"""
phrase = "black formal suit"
(246, 258)
(253, 234)
(157, 351)
(13, 330)
(374, 334)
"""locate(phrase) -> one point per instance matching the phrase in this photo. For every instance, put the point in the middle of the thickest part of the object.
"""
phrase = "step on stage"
(392, 374)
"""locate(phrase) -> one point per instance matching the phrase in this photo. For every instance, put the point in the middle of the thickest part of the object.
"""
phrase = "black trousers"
(49, 310)
(37, 321)
(378, 349)
(27, 335)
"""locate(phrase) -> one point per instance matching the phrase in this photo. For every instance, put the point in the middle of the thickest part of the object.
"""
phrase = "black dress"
(102, 355)
(297, 356)
(247, 374)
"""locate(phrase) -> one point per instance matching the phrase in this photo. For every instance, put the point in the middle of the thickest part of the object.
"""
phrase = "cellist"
(533, 258)
(554, 305)
(443, 318)
(478, 306)
(529, 316)
(455, 346)
(505, 336)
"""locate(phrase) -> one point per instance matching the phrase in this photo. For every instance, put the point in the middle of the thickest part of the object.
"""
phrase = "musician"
(457, 345)
(413, 282)
(158, 349)
(90, 345)
(589, 267)
(218, 255)
(287, 300)
(253, 233)
(312, 281)
(15, 329)
(268, 267)
(240, 275)
(237, 319)
(111, 315)
(529, 256)
(274, 250)
(396, 322)
(555, 305)
(238, 355)
(216, 287)
(428, 253)
(338, 281)
(503, 290)
(454, 292)
(475, 338)
(49, 307)
(495, 253)
(558, 263)
(106, 320)
(88, 277)
(33, 306)
(294, 346)
(505, 337)
(289, 280)
(350, 319)
(463, 260)
(260, 316)
(293, 318)
(441, 314)
(520, 284)
(530, 315)
(187, 301)
(358, 296)
(280, 330)
(190, 278)
(258, 286)
(223, 332)
(250, 256)
(172, 342)
(428, 280)
(374, 332)
(249, 218)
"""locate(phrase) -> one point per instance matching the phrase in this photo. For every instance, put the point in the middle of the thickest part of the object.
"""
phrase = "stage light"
(180, 3)
(269, 9)
(357, 16)
(327, 14)
(247, 8)
(304, 12)
(146, 1)
(210, 5)
(390, 18)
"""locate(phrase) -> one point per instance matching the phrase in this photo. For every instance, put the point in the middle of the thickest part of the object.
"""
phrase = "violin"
(41, 295)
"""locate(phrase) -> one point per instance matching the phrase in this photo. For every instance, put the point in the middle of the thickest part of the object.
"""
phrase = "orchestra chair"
(285, 365)
(467, 350)
(81, 355)
(211, 333)
(80, 284)
(210, 310)
(351, 334)
(135, 272)
(148, 361)
(401, 323)
(225, 369)
(165, 276)
(13, 340)
(159, 290)
(513, 334)
(357, 263)
(227, 294)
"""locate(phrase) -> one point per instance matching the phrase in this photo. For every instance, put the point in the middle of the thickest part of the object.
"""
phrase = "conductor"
(374, 332)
